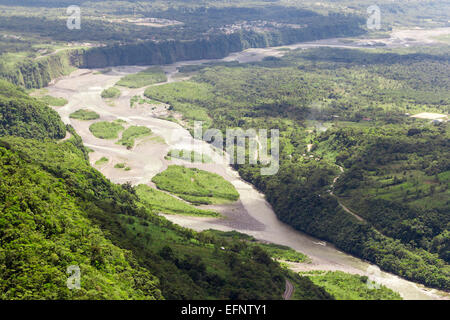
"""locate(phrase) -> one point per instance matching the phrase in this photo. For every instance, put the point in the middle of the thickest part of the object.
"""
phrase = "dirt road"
(289, 291)
(339, 202)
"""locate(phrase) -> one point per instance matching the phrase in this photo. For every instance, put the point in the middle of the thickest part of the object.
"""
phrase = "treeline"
(113, 26)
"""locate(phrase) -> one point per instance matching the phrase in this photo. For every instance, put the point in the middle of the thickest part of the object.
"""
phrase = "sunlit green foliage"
(344, 286)
(132, 133)
(277, 252)
(140, 100)
(24, 116)
(189, 265)
(106, 130)
(84, 114)
(44, 230)
(143, 78)
(190, 156)
(53, 101)
(361, 99)
(160, 202)
(184, 98)
(110, 93)
(196, 186)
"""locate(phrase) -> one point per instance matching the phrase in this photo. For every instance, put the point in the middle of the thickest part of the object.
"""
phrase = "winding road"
(339, 201)
(289, 291)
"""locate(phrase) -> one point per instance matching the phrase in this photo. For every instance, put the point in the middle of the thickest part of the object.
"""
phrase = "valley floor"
(251, 214)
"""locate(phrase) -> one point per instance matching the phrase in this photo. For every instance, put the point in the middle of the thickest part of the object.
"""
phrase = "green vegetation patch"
(84, 114)
(140, 100)
(120, 166)
(106, 130)
(71, 199)
(24, 116)
(196, 186)
(284, 253)
(344, 286)
(277, 252)
(188, 98)
(102, 161)
(111, 93)
(144, 78)
(54, 101)
(44, 239)
(132, 133)
(160, 202)
(190, 156)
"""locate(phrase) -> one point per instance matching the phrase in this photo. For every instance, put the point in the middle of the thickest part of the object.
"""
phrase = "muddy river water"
(251, 214)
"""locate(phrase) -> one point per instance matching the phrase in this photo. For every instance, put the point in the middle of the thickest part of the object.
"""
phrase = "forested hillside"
(352, 107)
(398, 178)
(24, 116)
(57, 211)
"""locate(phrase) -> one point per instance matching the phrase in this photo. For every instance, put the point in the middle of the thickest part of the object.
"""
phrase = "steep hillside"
(44, 230)
(27, 117)
(57, 211)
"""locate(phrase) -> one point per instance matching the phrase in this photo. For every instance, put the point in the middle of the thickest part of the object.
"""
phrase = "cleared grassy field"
(106, 130)
(344, 286)
(144, 78)
(161, 202)
(184, 97)
(132, 133)
(190, 156)
(85, 114)
(278, 252)
(54, 101)
(102, 161)
(110, 93)
(196, 186)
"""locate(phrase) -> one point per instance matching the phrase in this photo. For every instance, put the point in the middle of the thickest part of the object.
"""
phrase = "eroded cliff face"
(212, 47)
(40, 72)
